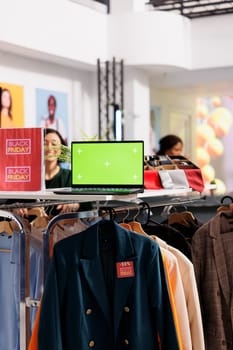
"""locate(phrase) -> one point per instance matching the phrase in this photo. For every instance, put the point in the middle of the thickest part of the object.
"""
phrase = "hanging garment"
(191, 295)
(175, 290)
(9, 291)
(213, 264)
(77, 310)
(170, 235)
(177, 300)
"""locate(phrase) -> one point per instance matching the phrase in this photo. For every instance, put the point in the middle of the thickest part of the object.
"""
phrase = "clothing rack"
(24, 274)
(110, 208)
(36, 204)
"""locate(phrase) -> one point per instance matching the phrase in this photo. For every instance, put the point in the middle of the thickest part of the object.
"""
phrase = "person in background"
(6, 109)
(52, 121)
(170, 145)
(55, 175)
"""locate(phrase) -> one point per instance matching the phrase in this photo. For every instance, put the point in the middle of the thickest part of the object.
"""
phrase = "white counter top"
(49, 195)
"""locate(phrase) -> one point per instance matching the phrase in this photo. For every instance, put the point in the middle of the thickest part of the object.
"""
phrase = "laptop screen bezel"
(141, 185)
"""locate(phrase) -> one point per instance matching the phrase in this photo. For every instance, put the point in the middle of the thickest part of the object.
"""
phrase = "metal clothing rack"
(103, 207)
(24, 273)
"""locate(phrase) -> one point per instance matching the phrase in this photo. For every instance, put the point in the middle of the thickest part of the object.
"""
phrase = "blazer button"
(126, 309)
(126, 341)
(88, 311)
(91, 344)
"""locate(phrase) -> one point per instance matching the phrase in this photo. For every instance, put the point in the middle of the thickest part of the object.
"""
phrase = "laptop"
(106, 167)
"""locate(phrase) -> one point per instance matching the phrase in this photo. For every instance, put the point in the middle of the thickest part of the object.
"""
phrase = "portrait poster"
(21, 154)
(11, 105)
(52, 111)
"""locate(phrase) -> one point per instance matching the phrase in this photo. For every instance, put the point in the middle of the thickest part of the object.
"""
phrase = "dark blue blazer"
(75, 309)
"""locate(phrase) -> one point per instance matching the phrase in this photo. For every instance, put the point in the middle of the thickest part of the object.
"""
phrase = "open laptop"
(106, 167)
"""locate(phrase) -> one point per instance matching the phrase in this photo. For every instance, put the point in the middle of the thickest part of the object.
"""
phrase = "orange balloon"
(215, 147)
(202, 111)
(220, 120)
(216, 101)
(203, 157)
(204, 133)
(208, 173)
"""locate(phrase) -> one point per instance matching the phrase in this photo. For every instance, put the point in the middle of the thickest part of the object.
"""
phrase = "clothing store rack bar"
(50, 195)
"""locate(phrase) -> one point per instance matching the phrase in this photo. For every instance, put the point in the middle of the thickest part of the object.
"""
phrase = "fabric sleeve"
(49, 329)
(161, 306)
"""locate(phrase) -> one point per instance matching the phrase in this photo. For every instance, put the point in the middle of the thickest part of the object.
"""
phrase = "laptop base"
(98, 191)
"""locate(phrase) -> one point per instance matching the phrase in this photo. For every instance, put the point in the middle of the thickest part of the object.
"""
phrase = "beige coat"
(191, 297)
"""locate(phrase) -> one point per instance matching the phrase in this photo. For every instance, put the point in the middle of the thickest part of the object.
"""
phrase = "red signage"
(21, 159)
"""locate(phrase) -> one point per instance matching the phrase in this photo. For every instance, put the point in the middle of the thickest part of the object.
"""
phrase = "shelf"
(49, 195)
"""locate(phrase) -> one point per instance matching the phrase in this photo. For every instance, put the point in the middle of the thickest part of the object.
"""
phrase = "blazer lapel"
(92, 269)
(125, 254)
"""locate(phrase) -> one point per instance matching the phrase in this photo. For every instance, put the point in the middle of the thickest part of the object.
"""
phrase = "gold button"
(88, 311)
(126, 341)
(91, 344)
(126, 309)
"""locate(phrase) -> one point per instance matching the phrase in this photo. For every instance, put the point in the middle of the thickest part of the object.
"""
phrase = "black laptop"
(106, 167)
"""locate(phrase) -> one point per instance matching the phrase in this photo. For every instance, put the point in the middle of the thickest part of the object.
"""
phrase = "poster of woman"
(11, 105)
(52, 111)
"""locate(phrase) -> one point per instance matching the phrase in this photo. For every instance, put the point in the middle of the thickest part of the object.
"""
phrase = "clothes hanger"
(41, 220)
(124, 224)
(136, 226)
(38, 211)
(6, 227)
(225, 207)
(184, 217)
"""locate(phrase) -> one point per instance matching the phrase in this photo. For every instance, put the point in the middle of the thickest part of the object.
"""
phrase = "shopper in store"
(55, 175)
(170, 145)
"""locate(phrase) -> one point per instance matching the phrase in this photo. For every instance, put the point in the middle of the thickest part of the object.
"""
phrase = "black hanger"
(225, 206)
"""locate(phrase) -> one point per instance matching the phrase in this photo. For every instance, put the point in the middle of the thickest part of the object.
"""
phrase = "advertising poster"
(11, 105)
(21, 159)
(52, 111)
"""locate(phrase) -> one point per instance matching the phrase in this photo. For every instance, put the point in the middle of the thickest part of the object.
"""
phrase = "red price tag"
(125, 269)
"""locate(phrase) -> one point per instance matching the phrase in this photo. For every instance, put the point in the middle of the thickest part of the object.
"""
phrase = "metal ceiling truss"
(194, 8)
(110, 97)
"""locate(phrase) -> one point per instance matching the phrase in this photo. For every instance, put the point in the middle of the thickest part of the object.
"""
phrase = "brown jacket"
(212, 260)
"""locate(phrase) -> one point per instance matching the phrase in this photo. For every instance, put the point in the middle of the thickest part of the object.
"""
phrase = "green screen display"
(107, 163)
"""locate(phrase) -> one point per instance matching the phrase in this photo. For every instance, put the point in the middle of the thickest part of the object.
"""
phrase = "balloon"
(202, 111)
(208, 173)
(216, 101)
(203, 157)
(204, 133)
(215, 147)
(220, 120)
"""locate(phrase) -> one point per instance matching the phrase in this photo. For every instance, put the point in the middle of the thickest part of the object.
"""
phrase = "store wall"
(78, 85)
(176, 116)
(62, 29)
(54, 44)
(211, 39)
